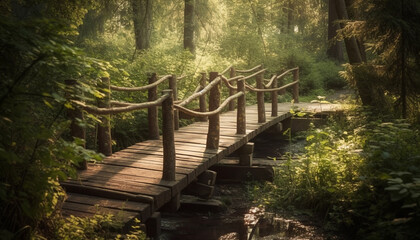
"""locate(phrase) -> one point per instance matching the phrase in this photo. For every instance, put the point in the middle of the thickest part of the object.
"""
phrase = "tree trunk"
(142, 19)
(93, 24)
(189, 25)
(352, 47)
(290, 25)
(335, 48)
(355, 57)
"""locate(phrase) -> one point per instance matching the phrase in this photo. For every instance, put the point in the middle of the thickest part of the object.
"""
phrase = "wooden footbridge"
(148, 177)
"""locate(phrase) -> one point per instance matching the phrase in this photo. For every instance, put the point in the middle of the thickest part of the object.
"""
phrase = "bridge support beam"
(173, 86)
(241, 114)
(173, 205)
(213, 134)
(169, 155)
(295, 90)
(104, 128)
(202, 99)
(232, 91)
(245, 154)
(152, 112)
(260, 99)
(274, 100)
(153, 225)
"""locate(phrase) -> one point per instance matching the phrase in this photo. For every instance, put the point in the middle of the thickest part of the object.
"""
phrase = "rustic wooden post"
(104, 128)
(274, 107)
(213, 134)
(74, 114)
(168, 138)
(260, 98)
(173, 86)
(152, 112)
(295, 91)
(245, 154)
(281, 83)
(240, 114)
(232, 91)
(202, 100)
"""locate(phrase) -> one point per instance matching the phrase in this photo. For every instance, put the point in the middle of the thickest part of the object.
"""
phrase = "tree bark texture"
(260, 98)
(189, 25)
(202, 99)
(152, 112)
(169, 154)
(213, 134)
(335, 48)
(232, 91)
(352, 47)
(241, 114)
(355, 57)
(274, 101)
(290, 10)
(104, 128)
(173, 86)
(142, 19)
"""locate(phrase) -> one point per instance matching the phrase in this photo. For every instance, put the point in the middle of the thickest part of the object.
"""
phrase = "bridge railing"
(171, 105)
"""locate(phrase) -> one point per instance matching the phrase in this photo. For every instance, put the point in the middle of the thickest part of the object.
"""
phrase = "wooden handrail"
(249, 70)
(142, 88)
(227, 69)
(255, 74)
(115, 110)
(200, 93)
(171, 106)
(252, 89)
(206, 114)
(270, 83)
(226, 81)
(234, 78)
(286, 72)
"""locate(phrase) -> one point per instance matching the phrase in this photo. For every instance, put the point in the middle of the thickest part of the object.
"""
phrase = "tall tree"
(355, 57)
(189, 25)
(335, 48)
(142, 19)
(290, 17)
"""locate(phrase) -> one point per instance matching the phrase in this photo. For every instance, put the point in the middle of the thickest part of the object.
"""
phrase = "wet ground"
(240, 219)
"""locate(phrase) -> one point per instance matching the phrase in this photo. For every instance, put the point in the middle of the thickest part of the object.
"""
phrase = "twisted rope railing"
(171, 105)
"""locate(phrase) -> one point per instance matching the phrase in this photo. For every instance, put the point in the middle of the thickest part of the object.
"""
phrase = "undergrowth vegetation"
(360, 174)
(98, 227)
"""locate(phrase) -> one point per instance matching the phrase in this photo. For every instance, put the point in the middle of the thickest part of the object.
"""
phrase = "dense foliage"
(43, 43)
(390, 30)
(360, 174)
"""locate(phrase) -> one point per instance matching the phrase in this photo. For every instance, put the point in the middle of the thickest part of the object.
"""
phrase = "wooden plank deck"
(130, 180)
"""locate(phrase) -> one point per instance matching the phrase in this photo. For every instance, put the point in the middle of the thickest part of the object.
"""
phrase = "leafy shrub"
(35, 150)
(361, 173)
(98, 227)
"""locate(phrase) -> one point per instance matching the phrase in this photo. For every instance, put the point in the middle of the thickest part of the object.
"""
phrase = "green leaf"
(48, 104)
